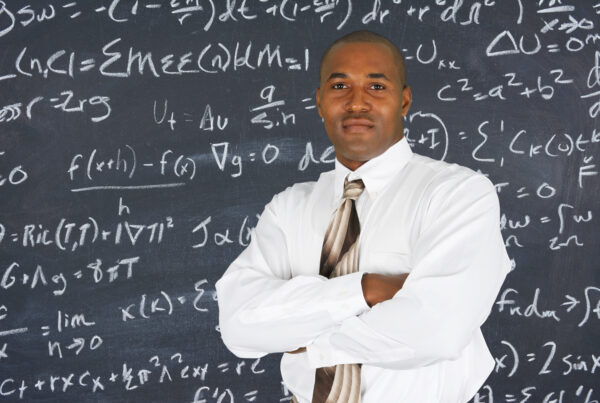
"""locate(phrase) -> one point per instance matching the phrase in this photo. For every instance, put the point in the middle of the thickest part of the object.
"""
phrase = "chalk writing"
(140, 141)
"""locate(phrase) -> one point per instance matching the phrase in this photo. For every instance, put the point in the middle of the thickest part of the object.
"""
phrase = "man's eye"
(377, 87)
(338, 86)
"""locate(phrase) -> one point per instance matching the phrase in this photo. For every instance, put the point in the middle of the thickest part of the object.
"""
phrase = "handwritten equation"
(140, 141)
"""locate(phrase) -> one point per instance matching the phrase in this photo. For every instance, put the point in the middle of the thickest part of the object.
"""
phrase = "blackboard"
(140, 140)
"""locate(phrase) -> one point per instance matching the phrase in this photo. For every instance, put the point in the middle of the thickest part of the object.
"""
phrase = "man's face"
(362, 101)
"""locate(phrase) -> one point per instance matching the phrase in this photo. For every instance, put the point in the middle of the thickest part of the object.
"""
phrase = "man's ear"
(319, 102)
(406, 100)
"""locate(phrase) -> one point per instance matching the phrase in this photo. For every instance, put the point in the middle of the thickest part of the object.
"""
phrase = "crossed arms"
(458, 264)
(376, 288)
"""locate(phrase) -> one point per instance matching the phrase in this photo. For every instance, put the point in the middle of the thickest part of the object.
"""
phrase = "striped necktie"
(340, 383)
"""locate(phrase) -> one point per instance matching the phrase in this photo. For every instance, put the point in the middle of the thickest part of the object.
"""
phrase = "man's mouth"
(357, 124)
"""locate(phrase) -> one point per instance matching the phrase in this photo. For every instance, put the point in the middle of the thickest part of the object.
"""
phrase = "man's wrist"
(365, 289)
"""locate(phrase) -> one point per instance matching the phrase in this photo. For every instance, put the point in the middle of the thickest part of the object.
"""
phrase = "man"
(394, 316)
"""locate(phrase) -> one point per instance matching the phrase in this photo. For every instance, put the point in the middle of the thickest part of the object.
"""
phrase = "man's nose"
(357, 102)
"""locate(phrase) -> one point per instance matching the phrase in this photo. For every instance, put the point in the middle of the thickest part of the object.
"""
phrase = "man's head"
(363, 96)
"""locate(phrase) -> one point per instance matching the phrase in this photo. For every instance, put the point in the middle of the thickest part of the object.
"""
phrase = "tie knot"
(353, 189)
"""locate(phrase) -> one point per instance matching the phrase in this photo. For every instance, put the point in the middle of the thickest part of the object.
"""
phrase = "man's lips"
(357, 123)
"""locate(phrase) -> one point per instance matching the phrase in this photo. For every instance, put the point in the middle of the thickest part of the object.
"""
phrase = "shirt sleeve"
(263, 310)
(458, 264)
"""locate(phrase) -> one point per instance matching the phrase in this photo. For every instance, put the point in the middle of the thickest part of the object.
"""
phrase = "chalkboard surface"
(140, 140)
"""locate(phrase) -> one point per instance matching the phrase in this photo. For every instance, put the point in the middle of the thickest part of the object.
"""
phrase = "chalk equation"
(140, 141)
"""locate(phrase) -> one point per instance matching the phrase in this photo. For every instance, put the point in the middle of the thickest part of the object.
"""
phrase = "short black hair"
(368, 36)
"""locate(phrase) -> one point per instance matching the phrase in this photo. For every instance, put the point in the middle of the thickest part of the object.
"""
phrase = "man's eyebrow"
(378, 75)
(370, 75)
(337, 75)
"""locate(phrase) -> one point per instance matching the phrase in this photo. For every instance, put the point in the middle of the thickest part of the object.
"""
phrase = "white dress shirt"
(437, 221)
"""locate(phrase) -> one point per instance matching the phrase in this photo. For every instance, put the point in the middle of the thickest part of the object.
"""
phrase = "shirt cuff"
(320, 353)
(347, 296)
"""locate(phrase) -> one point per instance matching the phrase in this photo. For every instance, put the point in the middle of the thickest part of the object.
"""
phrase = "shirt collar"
(377, 172)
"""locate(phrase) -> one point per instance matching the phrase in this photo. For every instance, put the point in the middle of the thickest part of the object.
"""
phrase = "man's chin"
(357, 156)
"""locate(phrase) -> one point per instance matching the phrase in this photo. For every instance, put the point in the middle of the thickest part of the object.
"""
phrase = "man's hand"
(297, 351)
(381, 287)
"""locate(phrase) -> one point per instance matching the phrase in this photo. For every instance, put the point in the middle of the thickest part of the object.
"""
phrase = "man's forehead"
(349, 49)
(345, 56)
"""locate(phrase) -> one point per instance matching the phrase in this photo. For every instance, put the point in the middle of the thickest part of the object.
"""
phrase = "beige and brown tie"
(340, 383)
